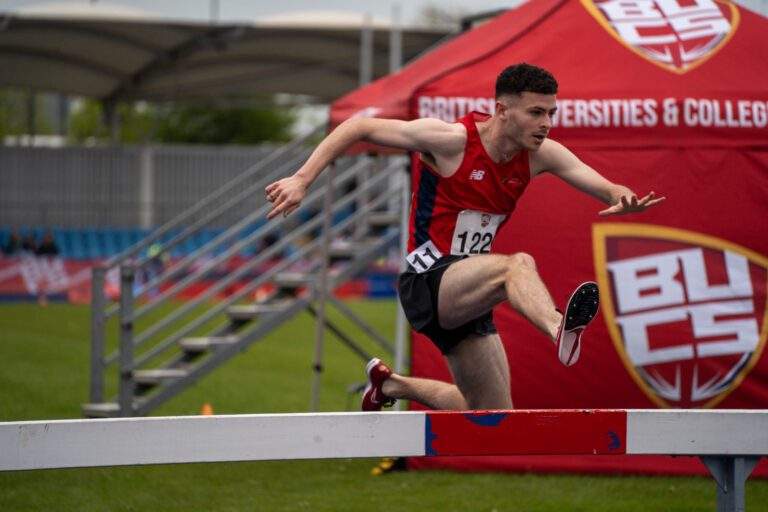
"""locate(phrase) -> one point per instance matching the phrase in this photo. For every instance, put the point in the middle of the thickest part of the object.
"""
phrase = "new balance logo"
(477, 175)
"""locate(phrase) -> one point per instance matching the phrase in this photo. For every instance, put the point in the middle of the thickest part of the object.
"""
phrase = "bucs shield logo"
(677, 35)
(687, 312)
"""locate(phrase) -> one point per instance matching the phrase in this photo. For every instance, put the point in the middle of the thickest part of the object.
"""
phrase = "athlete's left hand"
(628, 202)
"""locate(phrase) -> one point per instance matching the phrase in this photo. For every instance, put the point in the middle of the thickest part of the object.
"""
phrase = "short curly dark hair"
(522, 77)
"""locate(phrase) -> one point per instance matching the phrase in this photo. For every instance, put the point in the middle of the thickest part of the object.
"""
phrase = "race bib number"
(423, 257)
(474, 232)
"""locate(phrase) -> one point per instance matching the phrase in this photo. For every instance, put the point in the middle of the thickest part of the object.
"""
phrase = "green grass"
(44, 353)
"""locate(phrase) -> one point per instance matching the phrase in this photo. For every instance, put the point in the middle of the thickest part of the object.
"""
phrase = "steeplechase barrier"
(729, 442)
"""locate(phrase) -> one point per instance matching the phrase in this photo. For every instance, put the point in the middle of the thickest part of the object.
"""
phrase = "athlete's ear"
(501, 108)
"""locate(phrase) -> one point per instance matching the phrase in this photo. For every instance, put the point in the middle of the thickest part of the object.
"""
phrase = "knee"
(520, 261)
(488, 403)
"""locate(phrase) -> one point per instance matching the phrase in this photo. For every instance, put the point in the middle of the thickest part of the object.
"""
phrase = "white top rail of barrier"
(28, 445)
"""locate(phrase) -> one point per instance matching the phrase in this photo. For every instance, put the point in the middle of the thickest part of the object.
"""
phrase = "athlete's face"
(527, 118)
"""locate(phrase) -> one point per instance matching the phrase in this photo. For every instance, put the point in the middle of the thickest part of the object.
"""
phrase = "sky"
(247, 10)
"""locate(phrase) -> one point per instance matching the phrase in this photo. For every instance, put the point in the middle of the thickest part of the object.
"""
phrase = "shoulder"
(439, 127)
(422, 135)
(438, 137)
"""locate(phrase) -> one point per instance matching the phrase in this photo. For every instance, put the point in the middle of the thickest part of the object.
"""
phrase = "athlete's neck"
(497, 144)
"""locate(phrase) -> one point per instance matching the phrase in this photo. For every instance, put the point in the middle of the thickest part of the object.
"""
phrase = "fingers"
(655, 202)
(281, 202)
(632, 205)
(273, 191)
(285, 195)
(610, 211)
(629, 203)
(275, 196)
(282, 205)
(647, 199)
(271, 215)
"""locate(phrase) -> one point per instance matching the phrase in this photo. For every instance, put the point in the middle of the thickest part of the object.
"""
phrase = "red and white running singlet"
(460, 215)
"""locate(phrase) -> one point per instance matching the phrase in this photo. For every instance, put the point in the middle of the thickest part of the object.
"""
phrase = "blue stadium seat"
(109, 239)
(63, 241)
(78, 250)
(5, 233)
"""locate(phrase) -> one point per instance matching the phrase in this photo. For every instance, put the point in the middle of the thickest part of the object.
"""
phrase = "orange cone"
(207, 410)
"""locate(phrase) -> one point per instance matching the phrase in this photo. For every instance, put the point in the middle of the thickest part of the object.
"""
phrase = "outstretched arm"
(555, 158)
(423, 135)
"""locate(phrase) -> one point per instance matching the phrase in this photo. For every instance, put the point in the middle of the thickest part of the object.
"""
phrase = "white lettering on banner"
(451, 108)
(606, 113)
(660, 27)
(673, 287)
(697, 284)
(635, 328)
(705, 325)
(40, 274)
(650, 113)
(647, 282)
(620, 112)
(713, 113)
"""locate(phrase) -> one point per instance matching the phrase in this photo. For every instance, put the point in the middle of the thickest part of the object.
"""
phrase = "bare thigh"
(481, 372)
(470, 288)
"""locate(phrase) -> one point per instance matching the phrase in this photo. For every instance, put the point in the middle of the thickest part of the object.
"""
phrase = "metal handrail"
(219, 240)
(261, 258)
(100, 312)
(218, 286)
(158, 336)
(308, 226)
(237, 247)
(182, 217)
(208, 315)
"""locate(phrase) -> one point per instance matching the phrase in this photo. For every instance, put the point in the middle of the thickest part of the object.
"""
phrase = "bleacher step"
(251, 311)
(351, 249)
(206, 343)
(383, 219)
(106, 409)
(293, 280)
(156, 376)
(100, 410)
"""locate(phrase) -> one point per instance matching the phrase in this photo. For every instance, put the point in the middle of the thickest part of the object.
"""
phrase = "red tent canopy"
(723, 63)
(390, 97)
(659, 95)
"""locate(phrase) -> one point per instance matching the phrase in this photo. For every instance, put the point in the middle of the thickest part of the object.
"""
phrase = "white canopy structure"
(118, 54)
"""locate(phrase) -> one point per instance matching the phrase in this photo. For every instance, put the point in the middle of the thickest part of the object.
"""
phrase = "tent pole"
(323, 288)
(395, 41)
(366, 50)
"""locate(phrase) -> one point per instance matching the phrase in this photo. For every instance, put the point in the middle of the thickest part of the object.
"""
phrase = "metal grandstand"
(149, 352)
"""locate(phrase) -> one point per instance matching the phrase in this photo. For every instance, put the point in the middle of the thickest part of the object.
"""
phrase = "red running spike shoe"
(581, 309)
(373, 398)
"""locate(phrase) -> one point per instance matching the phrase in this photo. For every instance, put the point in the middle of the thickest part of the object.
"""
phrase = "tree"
(203, 123)
(213, 124)
(15, 111)
(86, 122)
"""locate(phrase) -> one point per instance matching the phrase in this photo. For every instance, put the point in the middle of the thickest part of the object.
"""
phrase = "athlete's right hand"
(285, 195)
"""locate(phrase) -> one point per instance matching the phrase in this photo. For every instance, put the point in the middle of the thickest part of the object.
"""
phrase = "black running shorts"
(418, 295)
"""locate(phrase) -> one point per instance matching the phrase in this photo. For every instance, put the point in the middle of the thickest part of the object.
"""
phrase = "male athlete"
(473, 173)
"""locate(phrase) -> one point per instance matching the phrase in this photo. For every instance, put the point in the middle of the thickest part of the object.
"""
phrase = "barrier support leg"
(730, 472)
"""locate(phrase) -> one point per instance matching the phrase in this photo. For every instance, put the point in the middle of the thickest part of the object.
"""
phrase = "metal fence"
(131, 186)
